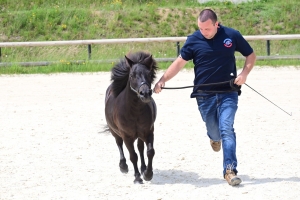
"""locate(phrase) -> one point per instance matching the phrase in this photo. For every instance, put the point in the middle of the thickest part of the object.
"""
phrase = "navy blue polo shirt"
(214, 59)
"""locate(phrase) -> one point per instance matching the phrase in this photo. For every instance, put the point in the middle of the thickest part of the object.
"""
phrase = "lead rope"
(232, 85)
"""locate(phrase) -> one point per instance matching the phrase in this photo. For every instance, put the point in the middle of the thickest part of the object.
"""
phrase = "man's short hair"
(207, 14)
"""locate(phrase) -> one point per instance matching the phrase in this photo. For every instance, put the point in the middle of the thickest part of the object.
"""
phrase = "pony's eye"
(132, 75)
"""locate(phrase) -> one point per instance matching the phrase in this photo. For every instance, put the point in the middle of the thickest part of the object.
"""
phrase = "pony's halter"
(136, 91)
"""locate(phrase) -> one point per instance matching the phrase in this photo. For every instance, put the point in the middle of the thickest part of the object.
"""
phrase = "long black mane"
(120, 72)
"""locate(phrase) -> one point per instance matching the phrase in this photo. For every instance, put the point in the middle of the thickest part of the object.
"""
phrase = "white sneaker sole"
(235, 181)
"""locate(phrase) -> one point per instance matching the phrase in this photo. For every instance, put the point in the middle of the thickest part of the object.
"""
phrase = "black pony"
(130, 110)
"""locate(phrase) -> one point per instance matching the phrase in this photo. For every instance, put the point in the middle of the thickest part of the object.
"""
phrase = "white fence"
(136, 40)
(266, 38)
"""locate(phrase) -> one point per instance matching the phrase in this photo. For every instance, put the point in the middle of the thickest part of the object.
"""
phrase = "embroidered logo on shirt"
(227, 42)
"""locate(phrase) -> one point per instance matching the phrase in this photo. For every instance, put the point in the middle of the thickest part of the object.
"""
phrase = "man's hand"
(240, 79)
(158, 86)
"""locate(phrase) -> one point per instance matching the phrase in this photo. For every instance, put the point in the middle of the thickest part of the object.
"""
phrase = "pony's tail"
(105, 129)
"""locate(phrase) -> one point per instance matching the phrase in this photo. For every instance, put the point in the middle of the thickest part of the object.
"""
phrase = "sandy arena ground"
(51, 145)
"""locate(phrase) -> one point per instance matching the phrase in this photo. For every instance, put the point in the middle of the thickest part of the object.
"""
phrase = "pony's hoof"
(125, 171)
(124, 168)
(148, 175)
(138, 180)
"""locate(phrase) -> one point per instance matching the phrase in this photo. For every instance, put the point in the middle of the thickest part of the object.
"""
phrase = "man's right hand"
(158, 86)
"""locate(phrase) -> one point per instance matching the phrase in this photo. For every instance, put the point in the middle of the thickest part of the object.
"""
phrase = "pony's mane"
(120, 72)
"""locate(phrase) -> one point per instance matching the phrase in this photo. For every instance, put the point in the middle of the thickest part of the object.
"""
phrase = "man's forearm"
(175, 67)
(249, 63)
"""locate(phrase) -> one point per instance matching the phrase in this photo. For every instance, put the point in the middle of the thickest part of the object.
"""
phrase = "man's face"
(208, 28)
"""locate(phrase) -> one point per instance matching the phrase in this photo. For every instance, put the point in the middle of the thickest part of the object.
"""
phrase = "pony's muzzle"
(145, 93)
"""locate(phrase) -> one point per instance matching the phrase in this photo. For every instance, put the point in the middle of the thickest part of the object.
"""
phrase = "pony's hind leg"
(134, 159)
(140, 145)
(148, 173)
(123, 166)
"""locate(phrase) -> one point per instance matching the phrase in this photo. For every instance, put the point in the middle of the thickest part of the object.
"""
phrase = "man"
(212, 50)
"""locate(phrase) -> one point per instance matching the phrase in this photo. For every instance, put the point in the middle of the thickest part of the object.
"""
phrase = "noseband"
(136, 91)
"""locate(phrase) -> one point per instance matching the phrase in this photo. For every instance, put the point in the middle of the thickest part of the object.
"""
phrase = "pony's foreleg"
(134, 159)
(148, 173)
(140, 145)
(123, 166)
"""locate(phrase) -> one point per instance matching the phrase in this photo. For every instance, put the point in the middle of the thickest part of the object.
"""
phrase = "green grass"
(40, 20)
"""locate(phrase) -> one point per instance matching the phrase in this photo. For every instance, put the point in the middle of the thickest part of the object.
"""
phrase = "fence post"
(178, 48)
(268, 47)
(0, 54)
(89, 51)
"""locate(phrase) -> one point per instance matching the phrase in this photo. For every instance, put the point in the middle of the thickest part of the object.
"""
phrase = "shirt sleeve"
(186, 51)
(242, 45)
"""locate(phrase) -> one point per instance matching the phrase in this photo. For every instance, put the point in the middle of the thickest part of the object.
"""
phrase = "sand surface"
(51, 145)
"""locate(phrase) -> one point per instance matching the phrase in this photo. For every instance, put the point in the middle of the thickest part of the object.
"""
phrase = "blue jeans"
(218, 112)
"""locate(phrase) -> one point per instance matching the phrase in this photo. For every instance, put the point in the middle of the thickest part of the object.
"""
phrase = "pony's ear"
(129, 61)
(149, 61)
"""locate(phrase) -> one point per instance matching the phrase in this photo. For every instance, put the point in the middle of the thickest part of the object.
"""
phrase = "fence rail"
(136, 40)
(266, 38)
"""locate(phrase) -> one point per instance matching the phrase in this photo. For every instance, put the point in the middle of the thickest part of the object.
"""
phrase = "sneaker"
(216, 146)
(232, 178)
